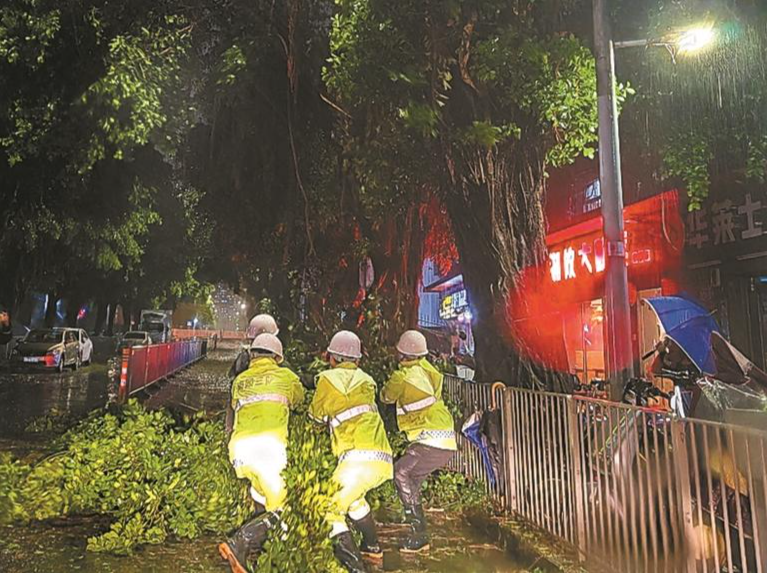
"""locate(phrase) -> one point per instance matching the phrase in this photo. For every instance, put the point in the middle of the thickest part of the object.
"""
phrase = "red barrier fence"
(206, 334)
(143, 366)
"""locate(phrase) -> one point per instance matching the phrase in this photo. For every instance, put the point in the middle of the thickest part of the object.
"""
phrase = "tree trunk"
(50, 310)
(495, 202)
(111, 311)
(73, 309)
(397, 260)
(101, 315)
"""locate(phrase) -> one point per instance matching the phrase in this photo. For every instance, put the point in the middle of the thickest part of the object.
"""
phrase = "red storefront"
(557, 316)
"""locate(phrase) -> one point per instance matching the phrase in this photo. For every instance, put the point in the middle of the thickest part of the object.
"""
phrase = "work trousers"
(355, 479)
(416, 464)
(261, 459)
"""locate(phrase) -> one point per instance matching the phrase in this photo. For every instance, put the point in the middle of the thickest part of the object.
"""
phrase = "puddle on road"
(205, 385)
(29, 395)
(46, 548)
(26, 396)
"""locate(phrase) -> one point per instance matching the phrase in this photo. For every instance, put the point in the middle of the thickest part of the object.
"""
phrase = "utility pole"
(617, 322)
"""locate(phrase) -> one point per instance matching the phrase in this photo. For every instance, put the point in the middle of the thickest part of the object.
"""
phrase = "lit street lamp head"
(684, 41)
(694, 39)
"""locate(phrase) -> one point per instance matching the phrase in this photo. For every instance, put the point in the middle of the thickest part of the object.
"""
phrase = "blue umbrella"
(689, 325)
(472, 429)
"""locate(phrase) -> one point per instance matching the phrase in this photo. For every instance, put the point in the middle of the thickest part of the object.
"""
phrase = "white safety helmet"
(413, 344)
(345, 344)
(268, 343)
(262, 324)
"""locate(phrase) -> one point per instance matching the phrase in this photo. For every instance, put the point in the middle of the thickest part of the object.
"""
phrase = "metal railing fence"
(634, 488)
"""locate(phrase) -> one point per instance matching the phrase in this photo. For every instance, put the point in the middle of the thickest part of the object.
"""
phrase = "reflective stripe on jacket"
(417, 390)
(262, 397)
(339, 390)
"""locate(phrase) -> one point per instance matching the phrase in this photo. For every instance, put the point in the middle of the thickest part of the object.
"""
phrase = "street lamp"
(683, 41)
(618, 322)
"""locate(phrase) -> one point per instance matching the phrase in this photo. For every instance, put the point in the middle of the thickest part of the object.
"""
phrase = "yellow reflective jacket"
(264, 378)
(418, 381)
(340, 389)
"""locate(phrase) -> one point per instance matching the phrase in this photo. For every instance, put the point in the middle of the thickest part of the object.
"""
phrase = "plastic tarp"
(732, 366)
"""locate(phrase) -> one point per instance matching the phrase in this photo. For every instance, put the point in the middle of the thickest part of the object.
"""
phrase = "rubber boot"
(370, 548)
(249, 538)
(418, 541)
(346, 551)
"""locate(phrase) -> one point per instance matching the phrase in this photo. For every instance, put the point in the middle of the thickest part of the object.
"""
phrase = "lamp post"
(618, 322)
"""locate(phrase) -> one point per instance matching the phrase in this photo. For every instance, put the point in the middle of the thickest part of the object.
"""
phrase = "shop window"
(583, 329)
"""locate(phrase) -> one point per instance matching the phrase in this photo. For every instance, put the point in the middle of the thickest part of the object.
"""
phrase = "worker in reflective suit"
(345, 400)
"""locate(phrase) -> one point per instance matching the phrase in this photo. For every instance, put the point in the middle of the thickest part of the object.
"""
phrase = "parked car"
(134, 339)
(50, 348)
(85, 346)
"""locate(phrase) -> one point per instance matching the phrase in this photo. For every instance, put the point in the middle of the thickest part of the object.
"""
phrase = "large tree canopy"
(93, 101)
(149, 149)
(471, 101)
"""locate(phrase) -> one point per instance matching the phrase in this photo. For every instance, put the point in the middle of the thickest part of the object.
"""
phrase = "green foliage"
(484, 134)
(688, 157)
(53, 422)
(453, 492)
(26, 31)
(303, 545)
(142, 469)
(550, 80)
(421, 118)
(443, 490)
(90, 112)
(12, 476)
(540, 85)
(156, 477)
(233, 62)
(128, 101)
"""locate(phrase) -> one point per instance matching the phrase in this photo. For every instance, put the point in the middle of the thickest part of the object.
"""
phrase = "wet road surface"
(60, 545)
(456, 547)
(29, 395)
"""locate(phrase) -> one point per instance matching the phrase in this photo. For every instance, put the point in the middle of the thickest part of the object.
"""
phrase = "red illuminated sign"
(577, 256)
(587, 257)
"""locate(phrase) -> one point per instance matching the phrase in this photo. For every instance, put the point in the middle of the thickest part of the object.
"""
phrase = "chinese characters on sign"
(588, 259)
(726, 222)
(454, 305)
